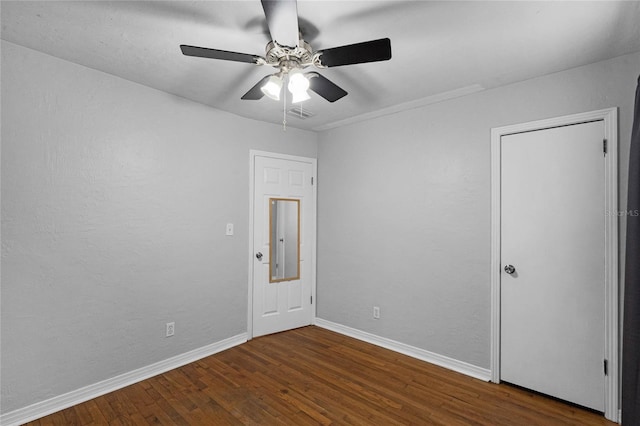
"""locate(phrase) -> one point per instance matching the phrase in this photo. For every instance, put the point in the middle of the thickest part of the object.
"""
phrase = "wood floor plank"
(320, 385)
(312, 376)
(83, 414)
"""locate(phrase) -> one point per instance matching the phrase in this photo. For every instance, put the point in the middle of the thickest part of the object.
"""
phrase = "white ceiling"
(440, 49)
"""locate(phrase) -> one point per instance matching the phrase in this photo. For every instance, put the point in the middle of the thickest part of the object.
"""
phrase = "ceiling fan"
(290, 54)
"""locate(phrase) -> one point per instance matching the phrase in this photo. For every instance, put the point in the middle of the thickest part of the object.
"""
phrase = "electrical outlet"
(376, 312)
(171, 329)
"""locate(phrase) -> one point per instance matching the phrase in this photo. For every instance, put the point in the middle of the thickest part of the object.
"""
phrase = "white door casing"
(279, 306)
(515, 358)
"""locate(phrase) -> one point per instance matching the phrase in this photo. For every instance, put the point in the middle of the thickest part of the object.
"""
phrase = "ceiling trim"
(439, 97)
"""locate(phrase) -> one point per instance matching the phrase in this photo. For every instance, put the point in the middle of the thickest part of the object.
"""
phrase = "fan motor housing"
(276, 54)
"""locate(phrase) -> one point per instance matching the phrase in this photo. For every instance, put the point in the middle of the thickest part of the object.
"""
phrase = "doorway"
(282, 243)
(554, 258)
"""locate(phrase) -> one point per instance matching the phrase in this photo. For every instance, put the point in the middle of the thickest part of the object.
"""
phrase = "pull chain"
(284, 110)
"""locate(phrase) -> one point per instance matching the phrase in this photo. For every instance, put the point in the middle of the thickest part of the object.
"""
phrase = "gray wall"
(404, 207)
(115, 199)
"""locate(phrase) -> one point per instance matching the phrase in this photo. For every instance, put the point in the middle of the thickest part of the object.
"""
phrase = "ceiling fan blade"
(255, 93)
(368, 51)
(325, 87)
(282, 19)
(203, 52)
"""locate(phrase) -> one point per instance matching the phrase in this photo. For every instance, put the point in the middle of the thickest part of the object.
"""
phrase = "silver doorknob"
(509, 269)
(259, 255)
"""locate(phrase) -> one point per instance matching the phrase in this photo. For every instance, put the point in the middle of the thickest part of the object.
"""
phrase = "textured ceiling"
(440, 49)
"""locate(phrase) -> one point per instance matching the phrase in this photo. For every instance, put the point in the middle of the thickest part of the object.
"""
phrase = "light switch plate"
(229, 228)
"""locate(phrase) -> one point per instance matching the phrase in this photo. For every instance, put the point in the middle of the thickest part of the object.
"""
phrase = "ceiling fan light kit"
(290, 54)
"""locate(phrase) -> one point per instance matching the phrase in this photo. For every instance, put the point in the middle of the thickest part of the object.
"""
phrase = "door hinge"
(606, 368)
(312, 300)
(311, 180)
(604, 146)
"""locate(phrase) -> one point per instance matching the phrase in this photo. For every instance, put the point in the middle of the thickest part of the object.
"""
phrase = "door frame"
(610, 118)
(312, 229)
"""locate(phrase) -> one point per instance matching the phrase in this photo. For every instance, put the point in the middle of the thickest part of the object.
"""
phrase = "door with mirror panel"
(283, 241)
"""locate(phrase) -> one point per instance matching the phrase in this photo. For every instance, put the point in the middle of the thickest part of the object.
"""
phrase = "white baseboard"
(421, 354)
(57, 403)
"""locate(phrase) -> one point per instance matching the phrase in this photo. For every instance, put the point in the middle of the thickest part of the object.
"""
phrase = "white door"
(283, 206)
(553, 234)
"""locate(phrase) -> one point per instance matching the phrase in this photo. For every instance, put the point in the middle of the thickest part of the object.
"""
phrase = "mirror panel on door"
(284, 239)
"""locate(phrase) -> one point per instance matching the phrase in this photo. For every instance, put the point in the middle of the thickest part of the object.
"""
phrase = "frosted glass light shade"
(297, 81)
(298, 85)
(272, 87)
(300, 96)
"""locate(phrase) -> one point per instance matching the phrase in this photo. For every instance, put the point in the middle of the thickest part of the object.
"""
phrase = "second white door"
(553, 259)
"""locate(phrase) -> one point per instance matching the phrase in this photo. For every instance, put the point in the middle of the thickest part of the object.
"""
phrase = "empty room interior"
(397, 212)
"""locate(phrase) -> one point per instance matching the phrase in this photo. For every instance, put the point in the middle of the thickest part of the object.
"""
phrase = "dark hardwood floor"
(313, 376)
